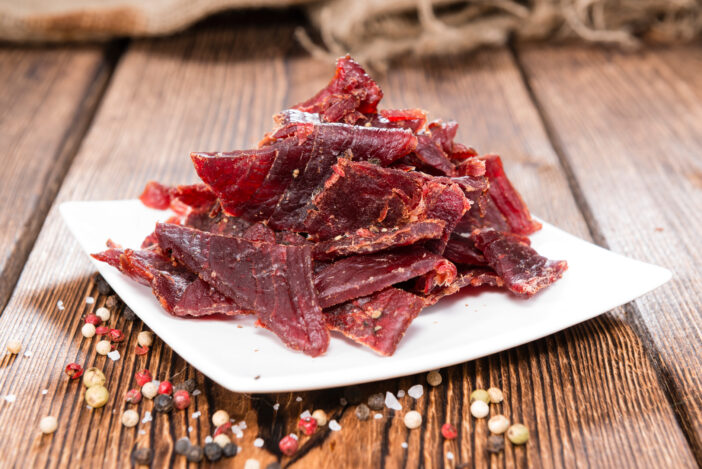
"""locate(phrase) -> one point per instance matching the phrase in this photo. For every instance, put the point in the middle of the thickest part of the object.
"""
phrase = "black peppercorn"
(213, 451)
(362, 412)
(495, 443)
(111, 301)
(102, 286)
(129, 314)
(230, 450)
(142, 456)
(182, 446)
(273, 465)
(187, 385)
(194, 454)
(163, 403)
(352, 394)
(376, 401)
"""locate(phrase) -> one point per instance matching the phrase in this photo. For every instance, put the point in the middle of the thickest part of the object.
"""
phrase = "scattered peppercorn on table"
(615, 138)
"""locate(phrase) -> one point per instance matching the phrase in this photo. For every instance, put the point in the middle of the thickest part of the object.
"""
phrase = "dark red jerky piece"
(445, 201)
(235, 176)
(259, 232)
(350, 94)
(412, 119)
(271, 279)
(378, 321)
(473, 167)
(443, 275)
(462, 250)
(467, 277)
(181, 199)
(523, 270)
(364, 241)
(357, 276)
(507, 199)
(195, 196)
(110, 256)
(290, 238)
(215, 221)
(156, 195)
(431, 158)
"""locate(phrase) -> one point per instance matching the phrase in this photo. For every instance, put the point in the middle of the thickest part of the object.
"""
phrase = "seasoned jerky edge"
(273, 280)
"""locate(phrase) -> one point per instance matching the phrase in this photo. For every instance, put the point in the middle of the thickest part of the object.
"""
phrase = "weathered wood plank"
(216, 89)
(630, 129)
(47, 97)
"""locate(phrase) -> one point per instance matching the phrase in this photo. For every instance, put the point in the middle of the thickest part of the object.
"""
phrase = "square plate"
(459, 328)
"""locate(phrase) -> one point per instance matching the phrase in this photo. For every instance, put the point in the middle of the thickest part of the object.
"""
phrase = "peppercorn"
(145, 338)
(130, 418)
(188, 385)
(288, 445)
(320, 416)
(103, 347)
(230, 450)
(221, 440)
(133, 396)
(142, 377)
(480, 395)
(413, 419)
(495, 444)
(479, 409)
(181, 399)
(93, 377)
(14, 346)
(213, 452)
(149, 390)
(220, 418)
(434, 378)
(518, 434)
(163, 403)
(165, 387)
(128, 314)
(222, 429)
(139, 350)
(102, 330)
(116, 335)
(308, 425)
(111, 301)
(495, 395)
(376, 401)
(362, 412)
(74, 370)
(88, 330)
(142, 456)
(273, 465)
(103, 313)
(194, 453)
(96, 396)
(449, 431)
(498, 424)
(353, 394)
(182, 445)
(102, 286)
(93, 319)
(48, 424)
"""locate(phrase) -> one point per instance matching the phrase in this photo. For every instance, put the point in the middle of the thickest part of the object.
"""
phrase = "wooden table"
(606, 145)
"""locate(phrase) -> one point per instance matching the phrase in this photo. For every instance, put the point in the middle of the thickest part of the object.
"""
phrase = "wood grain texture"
(589, 395)
(47, 98)
(630, 130)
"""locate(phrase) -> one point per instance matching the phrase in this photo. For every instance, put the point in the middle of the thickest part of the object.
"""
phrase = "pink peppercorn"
(143, 377)
(449, 431)
(181, 399)
(133, 396)
(222, 429)
(74, 370)
(116, 335)
(288, 445)
(139, 350)
(308, 425)
(102, 330)
(93, 319)
(165, 387)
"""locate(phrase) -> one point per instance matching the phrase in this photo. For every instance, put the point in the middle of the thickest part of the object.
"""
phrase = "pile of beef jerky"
(346, 218)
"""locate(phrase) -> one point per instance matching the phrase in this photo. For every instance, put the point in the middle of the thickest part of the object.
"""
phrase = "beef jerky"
(429, 157)
(412, 119)
(290, 238)
(444, 200)
(357, 276)
(179, 291)
(349, 95)
(364, 241)
(215, 221)
(259, 232)
(523, 270)
(443, 274)
(462, 250)
(467, 277)
(474, 167)
(180, 199)
(507, 199)
(378, 321)
(273, 280)
(156, 195)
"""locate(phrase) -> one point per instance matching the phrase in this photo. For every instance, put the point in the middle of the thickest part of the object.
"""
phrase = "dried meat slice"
(523, 270)
(365, 241)
(443, 274)
(429, 157)
(215, 221)
(412, 119)
(273, 280)
(378, 321)
(349, 95)
(467, 277)
(180, 199)
(179, 291)
(357, 276)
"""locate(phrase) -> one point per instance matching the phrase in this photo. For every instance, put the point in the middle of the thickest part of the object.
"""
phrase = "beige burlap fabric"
(374, 31)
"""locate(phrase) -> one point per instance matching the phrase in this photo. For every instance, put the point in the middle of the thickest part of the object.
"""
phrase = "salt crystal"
(114, 355)
(378, 416)
(190, 428)
(404, 444)
(28, 353)
(391, 401)
(401, 393)
(208, 439)
(251, 463)
(156, 382)
(242, 425)
(238, 450)
(10, 398)
(334, 425)
(258, 442)
(293, 436)
(89, 407)
(196, 392)
(90, 300)
(147, 417)
(60, 306)
(142, 432)
(44, 392)
(305, 415)
(237, 431)
(276, 406)
(298, 399)
(449, 455)
(416, 391)
(197, 414)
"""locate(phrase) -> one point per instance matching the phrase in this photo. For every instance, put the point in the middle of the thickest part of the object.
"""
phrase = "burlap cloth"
(372, 30)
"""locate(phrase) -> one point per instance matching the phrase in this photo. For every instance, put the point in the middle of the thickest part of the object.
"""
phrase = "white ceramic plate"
(459, 328)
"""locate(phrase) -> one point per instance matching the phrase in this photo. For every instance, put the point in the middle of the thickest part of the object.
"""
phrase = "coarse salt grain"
(142, 432)
(237, 431)
(60, 306)
(404, 444)
(334, 425)
(196, 392)
(449, 455)
(258, 443)
(89, 407)
(378, 416)
(147, 417)
(298, 399)
(197, 414)
(114, 355)
(401, 393)
(294, 436)
(90, 300)
(252, 464)
(190, 428)
(305, 415)
(28, 353)
(242, 425)
(276, 406)
(44, 391)
(10, 397)
(391, 401)
(208, 439)
(416, 391)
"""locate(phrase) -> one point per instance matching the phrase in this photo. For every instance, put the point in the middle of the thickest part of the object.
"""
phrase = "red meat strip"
(156, 195)
(273, 280)
(347, 97)
(365, 241)
(179, 291)
(412, 119)
(507, 199)
(378, 321)
(260, 232)
(443, 274)
(215, 221)
(467, 277)
(180, 199)
(357, 276)
(444, 200)
(523, 270)
(431, 158)
(443, 134)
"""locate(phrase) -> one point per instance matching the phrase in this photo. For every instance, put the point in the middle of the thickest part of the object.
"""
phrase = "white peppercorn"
(145, 338)
(413, 419)
(480, 395)
(103, 313)
(149, 390)
(320, 416)
(220, 418)
(479, 409)
(48, 424)
(222, 440)
(130, 418)
(495, 395)
(14, 346)
(96, 396)
(498, 424)
(88, 330)
(103, 347)
(93, 377)
(518, 434)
